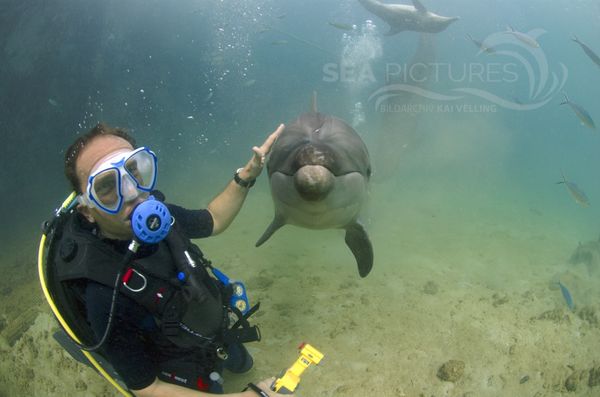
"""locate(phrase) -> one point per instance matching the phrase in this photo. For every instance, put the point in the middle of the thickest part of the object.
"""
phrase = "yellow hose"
(61, 320)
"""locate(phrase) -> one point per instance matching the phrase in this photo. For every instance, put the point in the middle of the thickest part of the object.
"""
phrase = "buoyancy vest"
(188, 317)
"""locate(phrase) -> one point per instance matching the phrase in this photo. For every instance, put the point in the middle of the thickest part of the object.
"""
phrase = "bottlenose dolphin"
(319, 169)
(403, 17)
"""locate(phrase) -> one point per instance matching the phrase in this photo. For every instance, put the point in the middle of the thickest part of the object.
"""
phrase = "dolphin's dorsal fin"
(313, 104)
(419, 6)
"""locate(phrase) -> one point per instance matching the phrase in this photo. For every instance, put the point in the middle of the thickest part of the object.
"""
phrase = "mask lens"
(142, 168)
(105, 188)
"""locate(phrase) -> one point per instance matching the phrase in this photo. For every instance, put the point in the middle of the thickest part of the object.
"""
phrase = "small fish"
(190, 117)
(209, 96)
(578, 195)
(482, 47)
(341, 26)
(523, 37)
(588, 51)
(583, 115)
(52, 102)
(567, 295)
(279, 42)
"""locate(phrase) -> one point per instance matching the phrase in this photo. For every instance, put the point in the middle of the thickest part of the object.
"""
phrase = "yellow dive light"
(289, 381)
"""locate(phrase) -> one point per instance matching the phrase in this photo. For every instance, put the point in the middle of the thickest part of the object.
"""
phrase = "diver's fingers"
(266, 147)
(259, 156)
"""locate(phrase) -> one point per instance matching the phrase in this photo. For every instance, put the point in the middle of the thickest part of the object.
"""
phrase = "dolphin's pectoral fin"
(277, 222)
(360, 245)
(419, 6)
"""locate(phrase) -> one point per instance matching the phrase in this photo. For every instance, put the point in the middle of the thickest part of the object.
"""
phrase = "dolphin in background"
(403, 17)
(319, 170)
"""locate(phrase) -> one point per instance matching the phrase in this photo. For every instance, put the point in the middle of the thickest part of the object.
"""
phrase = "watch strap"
(241, 182)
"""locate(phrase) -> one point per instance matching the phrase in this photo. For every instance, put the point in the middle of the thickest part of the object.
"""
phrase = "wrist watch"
(240, 181)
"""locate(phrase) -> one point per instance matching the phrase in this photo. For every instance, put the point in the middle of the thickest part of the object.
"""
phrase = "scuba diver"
(135, 296)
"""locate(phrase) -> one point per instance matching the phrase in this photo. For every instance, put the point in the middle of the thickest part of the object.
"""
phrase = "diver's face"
(114, 226)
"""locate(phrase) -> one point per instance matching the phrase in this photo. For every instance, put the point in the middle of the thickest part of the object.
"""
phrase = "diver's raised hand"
(254, 167)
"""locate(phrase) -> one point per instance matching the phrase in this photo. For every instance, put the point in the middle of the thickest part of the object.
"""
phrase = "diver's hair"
(73, 151)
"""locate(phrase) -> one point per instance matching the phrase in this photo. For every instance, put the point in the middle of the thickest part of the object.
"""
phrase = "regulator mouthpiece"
(151, 221)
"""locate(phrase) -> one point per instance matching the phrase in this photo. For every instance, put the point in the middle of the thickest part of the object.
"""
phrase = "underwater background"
(470, 229)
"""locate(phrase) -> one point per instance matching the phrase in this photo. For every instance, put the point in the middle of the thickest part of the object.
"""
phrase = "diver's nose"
(129, 189)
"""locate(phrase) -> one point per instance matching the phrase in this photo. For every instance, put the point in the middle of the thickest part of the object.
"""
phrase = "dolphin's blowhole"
(313, 182)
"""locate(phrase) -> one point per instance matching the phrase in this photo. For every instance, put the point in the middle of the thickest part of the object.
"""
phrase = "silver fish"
(567, 295)
(523, 37)
(578, 195)
(583, 115)
(588, 51)
(482, 47)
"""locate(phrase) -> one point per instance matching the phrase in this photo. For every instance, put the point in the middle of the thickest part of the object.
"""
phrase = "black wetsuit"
(136, 347)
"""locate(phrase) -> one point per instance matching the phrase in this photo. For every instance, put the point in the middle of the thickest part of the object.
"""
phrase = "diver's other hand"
(265, 385)
(254, 167)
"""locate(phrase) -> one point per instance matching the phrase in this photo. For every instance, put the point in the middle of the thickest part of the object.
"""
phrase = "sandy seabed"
(457, 280)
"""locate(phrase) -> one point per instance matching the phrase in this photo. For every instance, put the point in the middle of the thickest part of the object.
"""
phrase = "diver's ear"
(86, 212)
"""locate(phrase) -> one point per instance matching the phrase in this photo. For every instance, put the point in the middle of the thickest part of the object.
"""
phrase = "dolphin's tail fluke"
(360, 245)
(566, 100)
(277, 222)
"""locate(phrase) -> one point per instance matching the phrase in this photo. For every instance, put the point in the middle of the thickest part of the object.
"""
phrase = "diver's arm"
(163, 389)
(228, 203)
